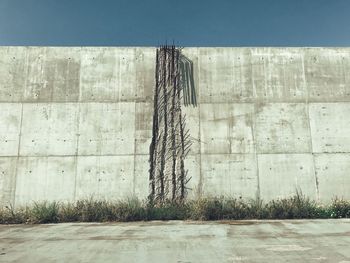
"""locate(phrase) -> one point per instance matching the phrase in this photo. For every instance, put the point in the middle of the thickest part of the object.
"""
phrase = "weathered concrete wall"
(76, 122)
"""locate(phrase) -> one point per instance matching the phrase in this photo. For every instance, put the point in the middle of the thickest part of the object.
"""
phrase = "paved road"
(178, 241)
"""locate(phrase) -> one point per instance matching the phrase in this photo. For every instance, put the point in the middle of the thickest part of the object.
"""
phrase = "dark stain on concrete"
(234, 222)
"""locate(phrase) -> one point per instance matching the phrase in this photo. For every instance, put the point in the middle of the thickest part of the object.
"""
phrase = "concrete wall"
(76, 122)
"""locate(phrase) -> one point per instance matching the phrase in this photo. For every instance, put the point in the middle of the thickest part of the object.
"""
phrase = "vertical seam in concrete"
(20, 128)
(66, 86)
(134, 169)
(309, 126)
(76, 153)
(258, 194)
(13, 197)
(312, 153)
(26, 74)
(252, 75)
(119, 76)
(45, 58)
(200, 183)
(78, 127)
(80, 73)
(135, 53)
(78, 132)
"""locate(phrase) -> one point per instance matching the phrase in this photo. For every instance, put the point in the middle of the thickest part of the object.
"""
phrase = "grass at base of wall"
(132, 209)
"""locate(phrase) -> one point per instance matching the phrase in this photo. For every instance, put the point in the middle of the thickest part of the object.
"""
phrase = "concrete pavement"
(178, 241)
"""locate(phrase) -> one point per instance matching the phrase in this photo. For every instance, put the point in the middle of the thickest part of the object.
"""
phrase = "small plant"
(8, 215)
(169, 210)
(340, 208)
(94, 210)
(44, 212)
(130, 210)
(295, 207)
(69, 213)
(206, 209)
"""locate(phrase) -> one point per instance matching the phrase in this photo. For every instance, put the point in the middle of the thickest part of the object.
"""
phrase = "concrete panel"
(118, 74)
(282, 175)
(332, 171)
(53, 74)
(36, 88)
(7, 180)
(10, 125)
(143, 128)
(145, 68)
(330, 127)
(104, 177)
(232, 175)
(63, 73)
(191, 114)
(45, 179)
(225, 75)
(194, 185)
(127, 74)
(100, 75)
(12, 73)
(278, 74)
(282, 128)
(49, 129)
(327, 74)
(107, 128)
(227, 128)
(141, 176)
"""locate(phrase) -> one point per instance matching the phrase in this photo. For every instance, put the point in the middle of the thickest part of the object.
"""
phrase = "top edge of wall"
(230, 47)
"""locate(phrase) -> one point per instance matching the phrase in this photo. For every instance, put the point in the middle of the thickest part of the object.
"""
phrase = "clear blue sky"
(188, 22)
